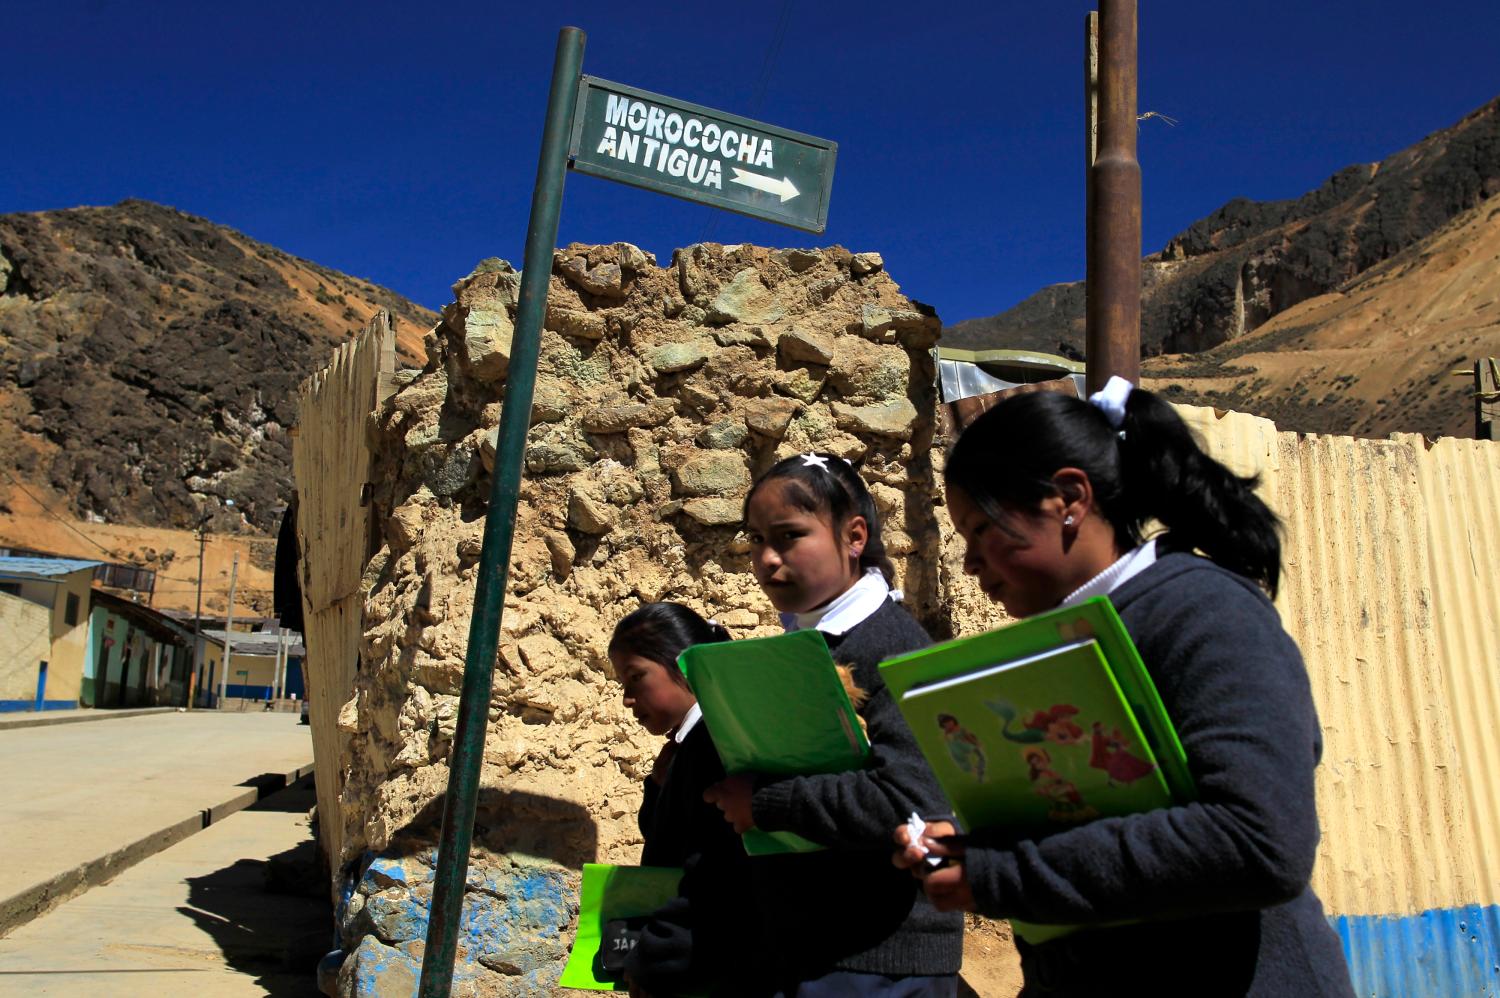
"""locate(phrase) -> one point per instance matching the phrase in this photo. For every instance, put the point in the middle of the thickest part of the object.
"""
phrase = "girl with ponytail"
(1053, 497)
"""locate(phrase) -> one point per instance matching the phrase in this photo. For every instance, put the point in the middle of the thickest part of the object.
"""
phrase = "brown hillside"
(149, 362)
(1230, 274)
(1373, 357)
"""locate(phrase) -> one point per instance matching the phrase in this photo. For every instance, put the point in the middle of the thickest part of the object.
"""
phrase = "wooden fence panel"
(331, 461)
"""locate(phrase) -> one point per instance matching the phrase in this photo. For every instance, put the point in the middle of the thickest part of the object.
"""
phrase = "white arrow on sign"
(783, 188)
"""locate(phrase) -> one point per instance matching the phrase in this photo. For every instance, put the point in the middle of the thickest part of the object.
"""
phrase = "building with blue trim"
(44, 630)
(136, 657)
(254, 665)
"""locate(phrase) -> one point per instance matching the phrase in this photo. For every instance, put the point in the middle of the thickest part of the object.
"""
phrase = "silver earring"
(1068, 520)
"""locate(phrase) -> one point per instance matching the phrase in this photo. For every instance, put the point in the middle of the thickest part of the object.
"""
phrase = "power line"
(114, 555)
(46, 509)
(757, 96)
(777, 37)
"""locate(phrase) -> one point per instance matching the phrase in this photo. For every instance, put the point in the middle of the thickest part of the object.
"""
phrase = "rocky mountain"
(149, 360)
(1376, 356)
(1234, 272)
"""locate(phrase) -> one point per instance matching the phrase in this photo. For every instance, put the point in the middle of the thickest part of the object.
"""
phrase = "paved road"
(195, 921)
(78, 802)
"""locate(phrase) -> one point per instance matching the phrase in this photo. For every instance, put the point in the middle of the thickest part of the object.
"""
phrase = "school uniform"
(693, 944)
(675, 821)
(1219, 886)
(844, 920)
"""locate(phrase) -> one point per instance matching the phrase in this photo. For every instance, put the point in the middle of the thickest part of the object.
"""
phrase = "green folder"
(610, 892)
(1042, 725)
(776, 706)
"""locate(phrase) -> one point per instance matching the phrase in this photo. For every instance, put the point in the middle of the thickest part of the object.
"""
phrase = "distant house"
(44, 631)
(137, 656)
(252, 665)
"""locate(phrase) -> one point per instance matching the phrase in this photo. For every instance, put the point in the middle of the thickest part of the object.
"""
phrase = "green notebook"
(776, 706)
(1047, 723)
(607, 893)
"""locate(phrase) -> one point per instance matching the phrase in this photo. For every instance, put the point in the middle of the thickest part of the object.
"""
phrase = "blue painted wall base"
(510, 933)
(12, 705)
(1437, 954)
(239, 691)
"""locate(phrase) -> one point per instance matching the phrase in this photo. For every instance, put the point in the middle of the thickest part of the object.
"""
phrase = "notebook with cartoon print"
(1046, 723)
(776, 706)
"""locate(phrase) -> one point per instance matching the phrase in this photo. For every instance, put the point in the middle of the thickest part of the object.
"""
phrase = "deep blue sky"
(398, 141)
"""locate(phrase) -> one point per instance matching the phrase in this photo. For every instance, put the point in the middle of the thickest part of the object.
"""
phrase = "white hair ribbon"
(814, 461)
(1110, 400)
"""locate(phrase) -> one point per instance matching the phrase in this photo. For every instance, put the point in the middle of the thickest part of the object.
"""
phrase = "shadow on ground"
(271, 918)
(272, 793)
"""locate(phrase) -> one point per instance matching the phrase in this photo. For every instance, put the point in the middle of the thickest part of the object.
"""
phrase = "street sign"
(699, 154)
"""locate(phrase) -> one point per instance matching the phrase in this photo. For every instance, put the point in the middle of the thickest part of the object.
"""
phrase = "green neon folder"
(776, 706)
(1042, 725)
(607, 893)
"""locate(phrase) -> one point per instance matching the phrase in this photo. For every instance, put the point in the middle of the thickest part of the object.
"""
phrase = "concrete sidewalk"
(47, 718)
(85, 801)
(195, 921)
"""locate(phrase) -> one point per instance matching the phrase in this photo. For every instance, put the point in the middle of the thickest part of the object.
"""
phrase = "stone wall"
(661, 394)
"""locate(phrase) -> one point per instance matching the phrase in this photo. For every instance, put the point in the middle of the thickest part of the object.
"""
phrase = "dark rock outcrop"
(149, 360)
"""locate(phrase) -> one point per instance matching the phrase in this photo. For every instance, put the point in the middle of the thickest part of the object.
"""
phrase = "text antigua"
(677, 145)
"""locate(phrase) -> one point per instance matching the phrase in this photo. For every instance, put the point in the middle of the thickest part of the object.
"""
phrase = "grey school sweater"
(844, 908)
(755, 926)
(1222, 882)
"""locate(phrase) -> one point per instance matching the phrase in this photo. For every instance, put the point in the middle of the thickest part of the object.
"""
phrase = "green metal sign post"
(693, 152)
(499, 527)
(650, 141)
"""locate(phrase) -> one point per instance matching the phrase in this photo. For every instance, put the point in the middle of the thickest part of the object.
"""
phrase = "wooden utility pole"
(234, 573)
(278, 681)
(1114, 241)
(1486, 397)
(1090, 151)
(193, 673)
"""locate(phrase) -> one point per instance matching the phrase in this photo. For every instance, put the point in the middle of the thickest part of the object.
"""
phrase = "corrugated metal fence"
(1392, 558)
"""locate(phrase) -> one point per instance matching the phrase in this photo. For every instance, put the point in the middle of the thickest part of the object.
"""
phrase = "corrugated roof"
(150, 617)
(44, 567)
(1389, 590)
(259, 643)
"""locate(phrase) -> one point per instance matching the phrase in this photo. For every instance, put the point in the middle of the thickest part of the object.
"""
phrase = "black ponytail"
(832, 486)
(661, 632)
(1152, 469)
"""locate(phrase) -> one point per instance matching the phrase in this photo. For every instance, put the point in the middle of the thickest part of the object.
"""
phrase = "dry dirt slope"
(1377, 252)
(173, 554)
(1373, 357)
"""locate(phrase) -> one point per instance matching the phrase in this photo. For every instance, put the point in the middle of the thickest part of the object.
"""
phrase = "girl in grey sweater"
(1051, 495)
(839, 922)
